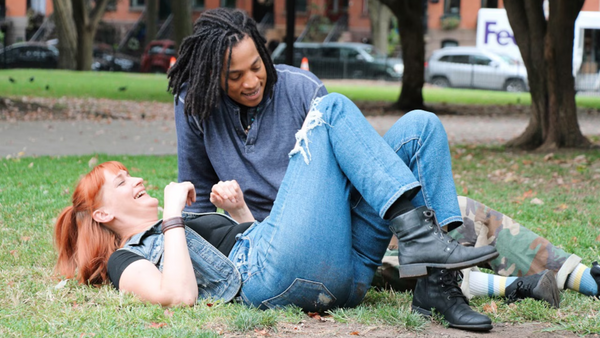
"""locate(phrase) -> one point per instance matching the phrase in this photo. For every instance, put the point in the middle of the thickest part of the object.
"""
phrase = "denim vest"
(216, 276)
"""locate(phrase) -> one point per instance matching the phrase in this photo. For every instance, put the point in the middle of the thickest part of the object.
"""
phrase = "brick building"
(448, 21)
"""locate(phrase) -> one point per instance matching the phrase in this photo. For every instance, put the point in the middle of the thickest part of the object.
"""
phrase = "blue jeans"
(325, 237)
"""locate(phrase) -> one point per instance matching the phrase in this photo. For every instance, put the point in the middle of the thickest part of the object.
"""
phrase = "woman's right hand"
(177, 196)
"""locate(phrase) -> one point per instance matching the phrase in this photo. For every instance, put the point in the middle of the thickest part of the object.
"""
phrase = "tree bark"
(410, 23)
(380, 16)
(182, 20)
(67, 34)
(86, 21)
(547, 51)
(151, 18)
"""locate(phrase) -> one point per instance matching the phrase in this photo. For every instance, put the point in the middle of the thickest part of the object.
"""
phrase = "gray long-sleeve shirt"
(218, 149)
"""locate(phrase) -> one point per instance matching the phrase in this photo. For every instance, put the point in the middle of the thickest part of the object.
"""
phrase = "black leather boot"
(440, 292)
(595, 272)
(422, 244)
(541, 286)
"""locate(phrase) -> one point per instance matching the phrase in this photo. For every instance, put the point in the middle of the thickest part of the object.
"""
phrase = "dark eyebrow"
(239, 71)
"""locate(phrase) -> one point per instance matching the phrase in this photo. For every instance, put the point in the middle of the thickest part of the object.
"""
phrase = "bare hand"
(177, 196)
(227, 196)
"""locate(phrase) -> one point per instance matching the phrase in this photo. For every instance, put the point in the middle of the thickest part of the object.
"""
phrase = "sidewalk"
(157, 137)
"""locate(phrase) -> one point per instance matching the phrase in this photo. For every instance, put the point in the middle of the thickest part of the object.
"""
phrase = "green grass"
(33, 190)
(153, 87)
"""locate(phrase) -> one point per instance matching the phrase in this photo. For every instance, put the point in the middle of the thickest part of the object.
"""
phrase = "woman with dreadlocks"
(239, 117)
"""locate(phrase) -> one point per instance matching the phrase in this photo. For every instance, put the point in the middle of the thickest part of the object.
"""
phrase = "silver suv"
(471, 67)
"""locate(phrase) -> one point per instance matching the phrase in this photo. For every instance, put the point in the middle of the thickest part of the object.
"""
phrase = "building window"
(452, 7)
(111, 6)
(489, 3)
(228, 3)
(197, 3)
(365, 7)
(300, 5)
(137, 3)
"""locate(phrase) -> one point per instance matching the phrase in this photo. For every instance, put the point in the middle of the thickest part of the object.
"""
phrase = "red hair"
(83, 244)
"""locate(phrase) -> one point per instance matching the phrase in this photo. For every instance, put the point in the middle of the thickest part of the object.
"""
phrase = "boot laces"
(450, 284)
(432, 219)
(522, 291)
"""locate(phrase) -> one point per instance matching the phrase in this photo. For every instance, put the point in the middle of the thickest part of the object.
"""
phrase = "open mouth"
(254, 93)
(140, 194)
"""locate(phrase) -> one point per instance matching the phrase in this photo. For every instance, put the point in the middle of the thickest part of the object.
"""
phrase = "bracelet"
(172, 223)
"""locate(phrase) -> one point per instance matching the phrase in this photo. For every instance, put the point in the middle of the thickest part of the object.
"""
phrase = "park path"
(157, 137)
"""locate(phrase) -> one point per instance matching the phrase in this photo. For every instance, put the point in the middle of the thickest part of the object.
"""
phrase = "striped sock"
(485, 284)
(581, 280)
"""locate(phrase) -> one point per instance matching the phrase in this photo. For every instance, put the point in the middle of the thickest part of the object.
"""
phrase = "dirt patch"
(66, 108)
(314, 328)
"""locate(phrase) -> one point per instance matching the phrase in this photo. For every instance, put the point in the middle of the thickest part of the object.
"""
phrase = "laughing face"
(247, 74)
(126, 195)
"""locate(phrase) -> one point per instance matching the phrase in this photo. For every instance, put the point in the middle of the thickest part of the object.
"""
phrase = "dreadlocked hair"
(201, 58)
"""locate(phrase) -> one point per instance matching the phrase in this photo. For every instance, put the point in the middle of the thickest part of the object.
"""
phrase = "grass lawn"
(153, 87)
(34, 190)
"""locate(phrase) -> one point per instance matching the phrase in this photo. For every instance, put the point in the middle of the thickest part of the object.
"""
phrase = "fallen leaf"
(168, 313)
(135, 170)
(490, 308)
(30, 165)
(560, 181)
(91, 334)
(529, 193)
(562, 207)
(92, 162)
(209, 304)
(537, 201)
(154, 325)
(314, 315)
(580, 159)
(527, 162)
(574, 239)
(25, 238)
(514, 167)
(13, 252)
(465, 190)
(61, 284)
(354, 333)
(262, 332)
(598, 238)
(548, 157)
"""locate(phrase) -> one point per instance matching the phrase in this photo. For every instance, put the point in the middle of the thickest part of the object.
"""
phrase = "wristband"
(172, 223)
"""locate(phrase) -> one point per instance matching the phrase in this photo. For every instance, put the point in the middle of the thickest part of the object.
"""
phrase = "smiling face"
(247, 74)
(125, 201)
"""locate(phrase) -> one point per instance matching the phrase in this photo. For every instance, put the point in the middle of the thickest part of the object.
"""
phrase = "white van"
(494, 33)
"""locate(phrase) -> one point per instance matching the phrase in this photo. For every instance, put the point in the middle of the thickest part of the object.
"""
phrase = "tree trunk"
(151, 18)
(86, 21)
(380, 16)
(563, 128)
(547, 51)
(66, 32)
(410, 23)
(182, 20)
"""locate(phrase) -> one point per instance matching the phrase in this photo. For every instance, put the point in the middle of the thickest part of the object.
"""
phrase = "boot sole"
(420, 270)
(480, 327)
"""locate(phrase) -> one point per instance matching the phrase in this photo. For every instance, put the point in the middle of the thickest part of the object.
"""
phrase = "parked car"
(157, 56)
(343, 60)
(106, 59)
(472, 67)
(29, 55)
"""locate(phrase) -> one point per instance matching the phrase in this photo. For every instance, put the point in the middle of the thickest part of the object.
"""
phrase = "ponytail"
(84, 245)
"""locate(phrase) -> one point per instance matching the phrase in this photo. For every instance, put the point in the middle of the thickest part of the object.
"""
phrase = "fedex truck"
(495, 34)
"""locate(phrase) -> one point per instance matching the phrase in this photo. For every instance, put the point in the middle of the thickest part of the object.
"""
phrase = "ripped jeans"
(325, 237)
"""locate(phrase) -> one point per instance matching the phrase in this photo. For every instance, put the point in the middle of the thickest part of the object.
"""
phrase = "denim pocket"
(309, 295)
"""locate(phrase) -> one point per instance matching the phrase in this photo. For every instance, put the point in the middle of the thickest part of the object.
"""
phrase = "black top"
(218, 230)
